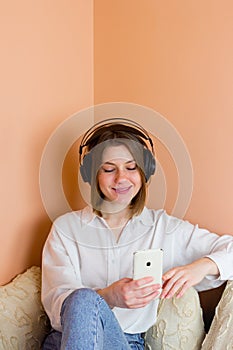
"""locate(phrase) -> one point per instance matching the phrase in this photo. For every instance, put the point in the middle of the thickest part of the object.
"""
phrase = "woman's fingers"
(141, 293)
(179, 279)
(143, 301)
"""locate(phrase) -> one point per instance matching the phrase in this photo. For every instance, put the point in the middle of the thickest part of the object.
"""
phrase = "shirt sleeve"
(59, 276)
(192, 243)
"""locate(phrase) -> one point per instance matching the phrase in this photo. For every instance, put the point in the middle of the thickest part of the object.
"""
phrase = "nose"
(121, 175)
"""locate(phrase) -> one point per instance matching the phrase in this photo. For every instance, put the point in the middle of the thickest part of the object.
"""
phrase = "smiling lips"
(122, 190)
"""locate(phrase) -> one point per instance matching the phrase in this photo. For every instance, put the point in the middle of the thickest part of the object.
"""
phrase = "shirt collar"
(87, 215)
(146, 217)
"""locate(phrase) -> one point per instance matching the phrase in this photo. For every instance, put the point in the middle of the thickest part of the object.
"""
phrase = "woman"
(87, 286)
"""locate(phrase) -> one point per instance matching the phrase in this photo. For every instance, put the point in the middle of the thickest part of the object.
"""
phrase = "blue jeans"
(89, 324)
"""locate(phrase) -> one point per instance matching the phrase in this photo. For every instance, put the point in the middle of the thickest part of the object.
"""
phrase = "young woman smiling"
(87, 286)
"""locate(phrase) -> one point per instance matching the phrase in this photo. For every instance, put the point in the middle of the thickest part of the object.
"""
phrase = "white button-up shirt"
(81, 251)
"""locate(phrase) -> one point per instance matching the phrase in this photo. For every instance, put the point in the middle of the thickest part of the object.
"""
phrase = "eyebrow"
(129, 161)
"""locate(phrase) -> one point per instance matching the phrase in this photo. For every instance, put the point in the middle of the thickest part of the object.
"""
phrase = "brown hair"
(116, 135)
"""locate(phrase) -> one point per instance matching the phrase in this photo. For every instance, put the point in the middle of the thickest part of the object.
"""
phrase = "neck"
(118, 219)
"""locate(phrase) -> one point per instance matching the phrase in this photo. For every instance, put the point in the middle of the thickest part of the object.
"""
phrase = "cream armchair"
(180, 326)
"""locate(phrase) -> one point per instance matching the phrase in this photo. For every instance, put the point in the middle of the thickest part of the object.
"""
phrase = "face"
(119, 178)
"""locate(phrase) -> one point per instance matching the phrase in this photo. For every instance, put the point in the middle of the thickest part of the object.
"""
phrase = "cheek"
(103, 181)
(137, 179)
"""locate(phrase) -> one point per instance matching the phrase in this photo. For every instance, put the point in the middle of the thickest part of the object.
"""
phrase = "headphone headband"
(115, 121)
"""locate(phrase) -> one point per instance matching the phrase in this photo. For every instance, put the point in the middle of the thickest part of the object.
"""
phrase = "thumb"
(125, 280)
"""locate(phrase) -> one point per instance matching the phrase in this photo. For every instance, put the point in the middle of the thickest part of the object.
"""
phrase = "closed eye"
(108, 170)
(132, 168)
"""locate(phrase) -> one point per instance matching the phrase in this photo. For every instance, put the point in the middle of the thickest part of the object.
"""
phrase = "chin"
(123, 202)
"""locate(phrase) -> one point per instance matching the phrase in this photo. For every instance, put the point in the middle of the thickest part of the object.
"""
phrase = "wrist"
(104, 293)
(211, 267)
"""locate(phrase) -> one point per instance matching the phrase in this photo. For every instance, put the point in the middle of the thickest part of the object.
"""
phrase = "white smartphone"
(148, 262)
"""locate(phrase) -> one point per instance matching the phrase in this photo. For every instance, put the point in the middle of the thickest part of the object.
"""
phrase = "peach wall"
(176, 58)
(46, 70)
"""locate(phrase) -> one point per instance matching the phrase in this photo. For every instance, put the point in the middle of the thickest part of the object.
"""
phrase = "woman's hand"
(179, 279)
(129, 293)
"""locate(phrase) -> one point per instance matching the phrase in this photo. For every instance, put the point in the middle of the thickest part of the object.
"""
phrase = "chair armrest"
(179, 324)
(220, 335)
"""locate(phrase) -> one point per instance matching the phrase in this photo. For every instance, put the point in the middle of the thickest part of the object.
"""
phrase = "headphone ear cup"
(149, 163)
(85, 167)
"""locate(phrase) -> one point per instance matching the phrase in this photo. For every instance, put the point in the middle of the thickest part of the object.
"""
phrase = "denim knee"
(81, 298)
(85, 294)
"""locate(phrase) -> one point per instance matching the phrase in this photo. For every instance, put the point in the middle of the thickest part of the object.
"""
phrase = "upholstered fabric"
(179, 325)
(23, 322)
(220, 335)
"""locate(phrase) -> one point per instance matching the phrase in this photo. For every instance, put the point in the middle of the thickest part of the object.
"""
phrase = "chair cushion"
(23, 321)
(179, 324)
(220, 335)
